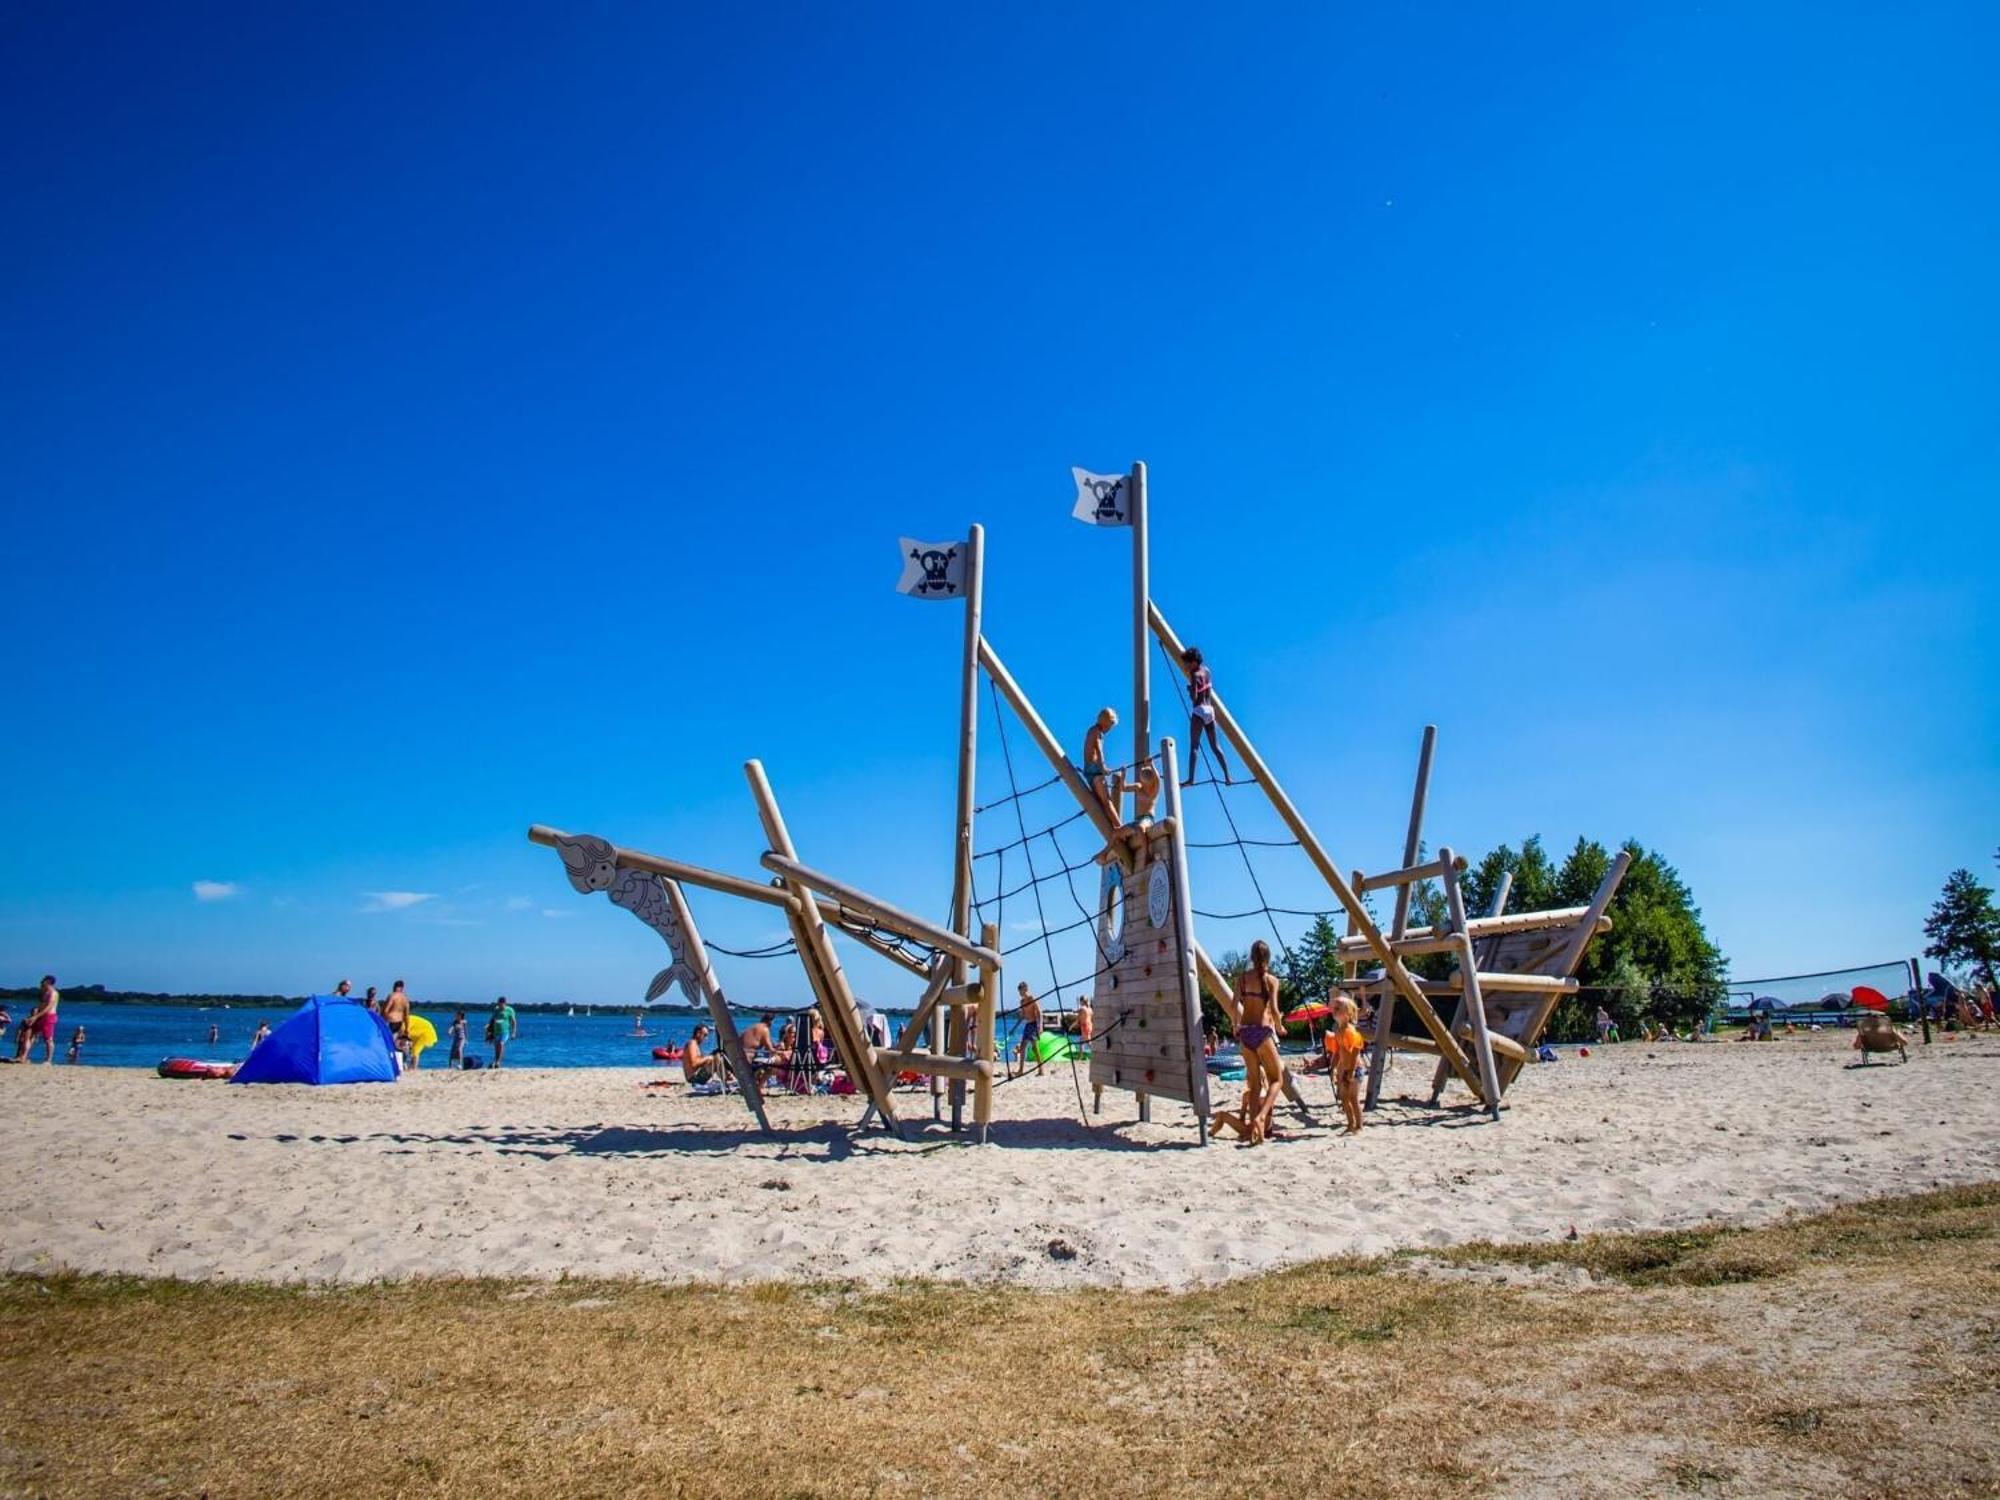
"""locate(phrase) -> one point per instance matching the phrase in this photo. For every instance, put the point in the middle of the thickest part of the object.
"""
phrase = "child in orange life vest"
(1344, 1045)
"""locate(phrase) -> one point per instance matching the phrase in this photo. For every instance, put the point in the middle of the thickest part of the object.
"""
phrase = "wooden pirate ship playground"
(1495, 980)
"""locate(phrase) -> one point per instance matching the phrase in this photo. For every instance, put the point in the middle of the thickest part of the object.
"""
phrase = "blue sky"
(424, 421)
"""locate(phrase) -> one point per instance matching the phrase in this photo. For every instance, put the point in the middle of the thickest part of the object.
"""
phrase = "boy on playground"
(1344, 1046)
(1095, 769)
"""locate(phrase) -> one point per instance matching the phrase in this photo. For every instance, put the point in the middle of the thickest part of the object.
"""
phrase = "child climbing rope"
(1201, 695)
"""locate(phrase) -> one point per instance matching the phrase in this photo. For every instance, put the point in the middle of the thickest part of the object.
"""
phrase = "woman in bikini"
(1257, 1038)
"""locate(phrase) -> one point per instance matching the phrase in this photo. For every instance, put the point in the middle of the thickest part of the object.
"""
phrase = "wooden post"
(1142, 599)
(1398, 974)
(989, 1008)
(718, 1004)
(1413, 840)
(968, 762)
(838, 1001)
(1469, 997)
(1170, 780)
(1494, 908)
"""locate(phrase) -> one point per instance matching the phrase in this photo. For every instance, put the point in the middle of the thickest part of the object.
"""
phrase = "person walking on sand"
(501, 1028)
(1095, 769)
(1257, 990)
(457, 1058)
(41, 1024)
(76, 1047)
(396, 1012)
(1201, 710)
(1603, 1026)
(1030, 1013)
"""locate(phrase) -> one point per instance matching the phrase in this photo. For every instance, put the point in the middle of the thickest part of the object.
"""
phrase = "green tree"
(1963, 927)
(1315, 965)
(1534, 887)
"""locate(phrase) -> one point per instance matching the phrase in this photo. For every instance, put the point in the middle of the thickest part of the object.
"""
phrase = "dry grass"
(1853, 1353)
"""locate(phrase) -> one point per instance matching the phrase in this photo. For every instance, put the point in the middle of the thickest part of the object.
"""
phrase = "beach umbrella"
(1837, 1000)
(1299, 1015)
(1763, 1002)
(1871, 999)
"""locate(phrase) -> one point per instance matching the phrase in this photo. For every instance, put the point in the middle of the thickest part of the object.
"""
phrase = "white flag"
(932, 570)
(1101, 498)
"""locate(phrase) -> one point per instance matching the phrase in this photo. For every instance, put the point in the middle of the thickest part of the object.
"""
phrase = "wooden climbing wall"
(1146, 1018)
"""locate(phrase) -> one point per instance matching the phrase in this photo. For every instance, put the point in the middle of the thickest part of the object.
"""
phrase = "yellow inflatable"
(422, 1035)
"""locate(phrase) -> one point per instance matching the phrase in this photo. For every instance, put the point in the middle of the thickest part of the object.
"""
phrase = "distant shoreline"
(91, 994)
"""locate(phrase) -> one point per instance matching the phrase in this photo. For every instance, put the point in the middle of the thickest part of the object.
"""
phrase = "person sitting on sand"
(1096, 771)
(1201, 699)
(1344, 1045)
(1237, 1119)
(1030, 1013)
(757, 1038)
(1257, 991)
(501, 1027)
(698, 1065)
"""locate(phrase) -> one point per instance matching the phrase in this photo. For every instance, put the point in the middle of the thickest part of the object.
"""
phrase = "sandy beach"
(542, 1174)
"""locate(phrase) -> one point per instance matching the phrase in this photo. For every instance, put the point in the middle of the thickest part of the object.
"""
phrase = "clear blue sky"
(422, 421)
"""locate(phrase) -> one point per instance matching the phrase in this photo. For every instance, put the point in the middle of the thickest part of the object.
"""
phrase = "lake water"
(138, 1036)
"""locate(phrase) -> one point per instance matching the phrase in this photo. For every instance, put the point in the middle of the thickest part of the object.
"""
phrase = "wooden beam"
(931, 1064)
(1475, 1002)
(1479, 929)
(1329, 872)
(727, 1040)
(1399, 925)
(1409, 875)
(1170, 776)
(674, 869)
(836, 1000)
(881, 912)
(988, 1008)
(1142, 598)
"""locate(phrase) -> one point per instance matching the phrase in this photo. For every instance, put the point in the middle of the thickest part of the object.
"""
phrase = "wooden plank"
(726, 1037)
(1475, 1002)
(843, 1024)
(1407, 876)
(894, 918)
(674, 869)
(893, 1061)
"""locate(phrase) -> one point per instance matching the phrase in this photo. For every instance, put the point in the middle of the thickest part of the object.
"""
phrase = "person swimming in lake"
(1201, 714)
(1256, 991)
(1096, 770)
(76, 1046)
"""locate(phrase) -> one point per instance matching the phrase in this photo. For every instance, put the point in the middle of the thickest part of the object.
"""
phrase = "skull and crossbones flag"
(932, 570)
(1101, 499)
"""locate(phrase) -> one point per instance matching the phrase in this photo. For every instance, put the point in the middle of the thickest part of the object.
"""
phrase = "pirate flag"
(1101, 498)
(932, 570)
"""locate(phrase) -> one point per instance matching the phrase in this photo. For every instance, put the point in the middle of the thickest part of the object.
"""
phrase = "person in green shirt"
(501, 1028)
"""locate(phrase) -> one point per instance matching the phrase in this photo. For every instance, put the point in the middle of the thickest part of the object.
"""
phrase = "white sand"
(541, 1173)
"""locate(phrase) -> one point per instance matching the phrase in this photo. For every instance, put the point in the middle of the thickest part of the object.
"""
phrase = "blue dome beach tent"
(326, 1040)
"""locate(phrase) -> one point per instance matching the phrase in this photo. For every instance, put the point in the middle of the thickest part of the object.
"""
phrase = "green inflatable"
(1054, 1046)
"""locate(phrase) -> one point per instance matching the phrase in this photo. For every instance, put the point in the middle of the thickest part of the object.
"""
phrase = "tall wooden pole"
(1142, 644)
(968, 754)
(1170, 778)
(1413, 839)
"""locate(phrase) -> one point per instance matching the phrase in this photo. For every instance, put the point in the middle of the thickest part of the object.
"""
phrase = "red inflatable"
(190, 1067)
(667, 1054)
